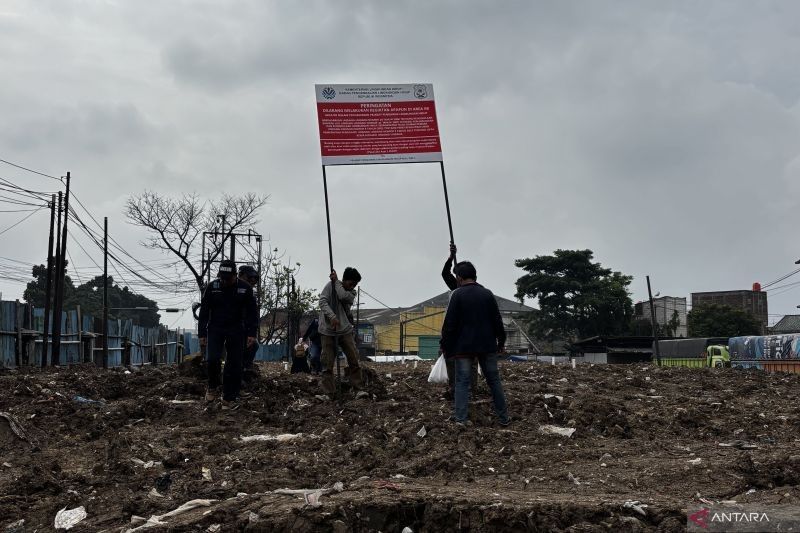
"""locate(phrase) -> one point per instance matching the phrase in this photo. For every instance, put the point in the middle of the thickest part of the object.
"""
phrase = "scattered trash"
(15, 426)
(547, 429)
(751, 491)
(252, 517)
(81, 399)
(206, 473)
(182, 402)
(283, 437)
(148, 464)
(311, 496)
(323, 397)
(636, 506)
(69, 519)
(16, 527)
(399, 476)
(388, 376)
(7, 465)
(362, 394)
(695, 461)
(407, 530)
(154, 494)
(739, 445)
(548, 396)
(422, 432)
(213, 528)
(563, 380)
(158, 520)
(573, 478)
(438, 372)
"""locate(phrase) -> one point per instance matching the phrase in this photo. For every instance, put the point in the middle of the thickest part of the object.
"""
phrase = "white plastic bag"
(438, 372)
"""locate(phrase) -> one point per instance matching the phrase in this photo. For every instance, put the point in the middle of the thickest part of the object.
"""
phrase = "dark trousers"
(491, 373)
(450, 364)
(249, 355)
(233, 342)
(315, 357)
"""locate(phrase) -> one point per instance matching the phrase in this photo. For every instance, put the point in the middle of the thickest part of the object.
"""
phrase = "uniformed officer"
(228, 320)
(249, 275)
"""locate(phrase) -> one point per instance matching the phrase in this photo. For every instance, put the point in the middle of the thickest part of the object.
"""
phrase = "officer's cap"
(227, 268)
(247, 271)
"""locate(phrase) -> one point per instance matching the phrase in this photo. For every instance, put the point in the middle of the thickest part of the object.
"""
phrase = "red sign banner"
(367, 124)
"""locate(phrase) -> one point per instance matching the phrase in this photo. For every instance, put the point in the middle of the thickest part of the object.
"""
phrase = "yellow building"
(417, 329)
(420, 332)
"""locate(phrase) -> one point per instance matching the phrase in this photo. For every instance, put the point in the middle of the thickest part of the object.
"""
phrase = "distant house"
(417, 329)
(787, 324)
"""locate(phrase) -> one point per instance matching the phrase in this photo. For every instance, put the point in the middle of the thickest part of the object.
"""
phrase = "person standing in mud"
(312, 337)
(473, 329)
(335, 322)
(249, 275)
(450, 363)
(228, 320)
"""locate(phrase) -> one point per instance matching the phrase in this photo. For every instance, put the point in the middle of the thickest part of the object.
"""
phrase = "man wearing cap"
(336, 325)
(228, 316)
(249, 275)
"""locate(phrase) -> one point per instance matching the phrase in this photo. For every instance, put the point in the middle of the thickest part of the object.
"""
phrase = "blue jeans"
(315, 357)
(491, 374)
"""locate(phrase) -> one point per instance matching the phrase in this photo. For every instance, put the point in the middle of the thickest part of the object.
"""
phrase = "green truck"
(699, 352)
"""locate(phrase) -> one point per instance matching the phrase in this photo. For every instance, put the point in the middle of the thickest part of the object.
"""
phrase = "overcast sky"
(662, 135)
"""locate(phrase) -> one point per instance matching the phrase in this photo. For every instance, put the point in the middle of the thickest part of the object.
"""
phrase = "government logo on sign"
(328, 93)
(420, 91)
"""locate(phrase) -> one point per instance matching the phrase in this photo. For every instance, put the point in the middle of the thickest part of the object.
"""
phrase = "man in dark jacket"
(228, 320)
(473, 329)
(249, 275)
(452, 283)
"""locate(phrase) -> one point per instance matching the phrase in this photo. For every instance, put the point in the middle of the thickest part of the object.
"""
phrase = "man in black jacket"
(473, 329)
(229, 320)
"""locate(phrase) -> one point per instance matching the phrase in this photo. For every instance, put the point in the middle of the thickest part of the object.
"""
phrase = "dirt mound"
(143, 442)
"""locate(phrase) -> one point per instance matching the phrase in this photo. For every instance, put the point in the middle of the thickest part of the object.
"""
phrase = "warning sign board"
(366, 124)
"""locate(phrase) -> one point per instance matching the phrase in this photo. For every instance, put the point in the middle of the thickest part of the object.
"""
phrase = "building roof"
(386, 316)
(787, 324)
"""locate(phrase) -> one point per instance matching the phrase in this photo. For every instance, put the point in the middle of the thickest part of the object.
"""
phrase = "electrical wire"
(21, 221)
(29, 170)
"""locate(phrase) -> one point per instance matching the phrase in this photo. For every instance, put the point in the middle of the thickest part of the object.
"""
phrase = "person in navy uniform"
(249, 275)
(228, 320)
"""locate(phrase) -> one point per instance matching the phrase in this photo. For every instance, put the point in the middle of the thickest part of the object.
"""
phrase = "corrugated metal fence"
(21, 328)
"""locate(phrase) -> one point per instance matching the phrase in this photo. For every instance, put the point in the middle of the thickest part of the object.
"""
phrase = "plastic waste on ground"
(69, 519)
(548, 429)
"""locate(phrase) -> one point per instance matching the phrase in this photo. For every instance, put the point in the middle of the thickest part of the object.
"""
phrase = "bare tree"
(176, 224)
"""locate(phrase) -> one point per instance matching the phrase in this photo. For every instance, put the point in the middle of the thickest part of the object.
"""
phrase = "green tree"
(716, 320)
(89, 296)
(577, 298)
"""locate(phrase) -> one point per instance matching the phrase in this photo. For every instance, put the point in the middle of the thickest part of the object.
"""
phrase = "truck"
(771, 353)
(698, 352)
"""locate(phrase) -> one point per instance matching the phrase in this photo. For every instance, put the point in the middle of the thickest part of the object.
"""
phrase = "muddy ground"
(147, 443)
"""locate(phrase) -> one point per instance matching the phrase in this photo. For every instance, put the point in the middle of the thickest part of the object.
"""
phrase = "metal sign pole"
(447, 206)
(334, 301)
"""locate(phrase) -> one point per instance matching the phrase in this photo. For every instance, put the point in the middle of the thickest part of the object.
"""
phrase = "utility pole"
(57, 280)
(49, 284)
(59, 307)
(105, 292)
(653, 319)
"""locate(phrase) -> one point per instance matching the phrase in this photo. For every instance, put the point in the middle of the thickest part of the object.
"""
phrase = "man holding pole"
(336, 328)
(473, 329)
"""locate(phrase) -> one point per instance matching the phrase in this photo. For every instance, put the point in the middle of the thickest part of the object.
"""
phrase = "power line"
(29, 170)
(21, 221)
